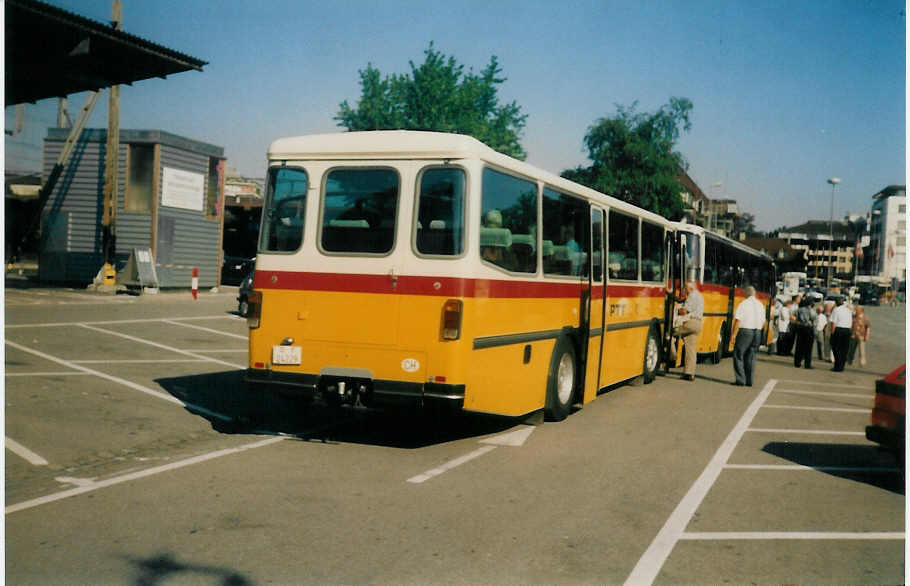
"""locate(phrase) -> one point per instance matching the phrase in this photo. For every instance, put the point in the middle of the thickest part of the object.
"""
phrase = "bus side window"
(508, 219)
(285, 207)
(440, 212)
(623, 257)
(652, 252)
(566, 225)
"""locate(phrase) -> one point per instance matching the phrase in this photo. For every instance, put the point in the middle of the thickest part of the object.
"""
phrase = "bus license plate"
(286, 355)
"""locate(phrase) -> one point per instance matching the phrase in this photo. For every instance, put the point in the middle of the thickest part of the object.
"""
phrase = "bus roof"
(696, 229)
(415, 144)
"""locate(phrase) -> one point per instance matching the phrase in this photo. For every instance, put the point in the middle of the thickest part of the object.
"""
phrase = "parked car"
(869, 295)
(888, 419)
(235, 268)
(246, 287)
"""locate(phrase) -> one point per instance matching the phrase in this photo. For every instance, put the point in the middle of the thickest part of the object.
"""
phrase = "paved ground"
(135, 456)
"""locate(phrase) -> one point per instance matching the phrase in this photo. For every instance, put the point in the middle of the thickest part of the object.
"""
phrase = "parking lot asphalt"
(135, 455)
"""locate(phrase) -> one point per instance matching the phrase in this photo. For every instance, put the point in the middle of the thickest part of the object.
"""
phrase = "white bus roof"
(413, 144)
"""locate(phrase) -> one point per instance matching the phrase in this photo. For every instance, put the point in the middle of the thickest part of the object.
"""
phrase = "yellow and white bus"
(402, 267)
(723, 269)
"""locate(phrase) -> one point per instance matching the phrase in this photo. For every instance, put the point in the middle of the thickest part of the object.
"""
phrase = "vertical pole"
(111, 169)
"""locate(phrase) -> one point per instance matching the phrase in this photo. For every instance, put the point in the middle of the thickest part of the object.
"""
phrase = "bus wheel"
(718, 354)
(652, 356)
(561, 380)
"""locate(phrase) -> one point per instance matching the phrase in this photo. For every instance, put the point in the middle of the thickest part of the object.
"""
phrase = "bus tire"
(718, 354)
(561, 380)
(651, 362)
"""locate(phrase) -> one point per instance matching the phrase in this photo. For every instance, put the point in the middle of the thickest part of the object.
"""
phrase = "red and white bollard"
(195, 282)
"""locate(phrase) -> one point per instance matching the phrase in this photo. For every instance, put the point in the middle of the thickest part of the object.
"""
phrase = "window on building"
(140, 179)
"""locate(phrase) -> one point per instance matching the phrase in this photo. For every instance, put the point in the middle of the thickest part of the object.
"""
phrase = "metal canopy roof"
(52, 53)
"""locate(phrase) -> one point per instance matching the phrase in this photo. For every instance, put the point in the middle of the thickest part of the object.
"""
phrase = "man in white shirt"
(693, 311)
(841, 326)
(821, 332)
(747, 327)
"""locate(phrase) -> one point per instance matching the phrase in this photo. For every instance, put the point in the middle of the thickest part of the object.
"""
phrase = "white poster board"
(182, 189)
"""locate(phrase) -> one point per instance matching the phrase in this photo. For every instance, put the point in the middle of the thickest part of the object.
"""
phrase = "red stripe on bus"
(438, 286)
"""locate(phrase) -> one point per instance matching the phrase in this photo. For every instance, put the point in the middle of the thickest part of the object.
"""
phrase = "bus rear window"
(359, 211)
(285, 208)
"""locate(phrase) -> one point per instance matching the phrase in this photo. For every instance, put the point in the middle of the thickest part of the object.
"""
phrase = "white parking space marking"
(450, 464)
(92, 486)
(804, 382)
(46, 374)
(218, 351)
(647, 568)
(25, 453)
(824, 394)
(120, 321)
(121, 381)
(195, 327)
(140, 361)
(162, 346)
(785, 535)
(806, 431)
(800, 467)
(801, 408)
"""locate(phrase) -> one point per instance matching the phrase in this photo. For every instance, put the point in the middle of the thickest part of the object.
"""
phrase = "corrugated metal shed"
(182, 233)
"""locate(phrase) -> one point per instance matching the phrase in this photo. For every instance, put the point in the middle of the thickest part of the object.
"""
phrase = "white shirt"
(750, 313)
(821, 320)
(695, 305)
(783, 319)
(841, 317)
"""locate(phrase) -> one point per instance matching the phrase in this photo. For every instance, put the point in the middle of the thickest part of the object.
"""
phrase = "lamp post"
(833, 181)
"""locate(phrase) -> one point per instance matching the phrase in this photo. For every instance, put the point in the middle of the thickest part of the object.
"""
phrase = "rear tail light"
(254, 317)
(451, 319)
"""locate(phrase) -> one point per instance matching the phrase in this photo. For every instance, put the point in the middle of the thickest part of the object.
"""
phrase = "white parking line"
(807, 431)
(25, 453)
(800, 467)
(803, 408)
(92, 486)
(219, 332)
(138, 361)
(824, 394)
(820, 384)
(647, 568)
(45, 373)
(162, 346)
(119, 321)
(721, 535)
(450, 464)
(121, 381)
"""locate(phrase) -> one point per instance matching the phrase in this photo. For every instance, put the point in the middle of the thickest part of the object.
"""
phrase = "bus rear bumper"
(368, 392)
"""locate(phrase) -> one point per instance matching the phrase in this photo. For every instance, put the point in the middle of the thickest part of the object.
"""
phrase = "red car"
(888, 419)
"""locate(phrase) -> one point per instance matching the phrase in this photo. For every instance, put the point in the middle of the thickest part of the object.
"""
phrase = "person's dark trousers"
(744, 350)
(840, 343)
(784, 343)
(803, 354)
(851, 349)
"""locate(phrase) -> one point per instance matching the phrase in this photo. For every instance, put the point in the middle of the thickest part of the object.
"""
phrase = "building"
(242, 213)
(888, 234)
(716, 215)
(826, 258)
(786, 257)
(170, 195)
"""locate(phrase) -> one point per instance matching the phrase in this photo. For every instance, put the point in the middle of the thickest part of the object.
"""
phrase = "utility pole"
(111, 168)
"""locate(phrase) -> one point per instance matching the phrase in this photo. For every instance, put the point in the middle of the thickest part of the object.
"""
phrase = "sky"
(785, 94)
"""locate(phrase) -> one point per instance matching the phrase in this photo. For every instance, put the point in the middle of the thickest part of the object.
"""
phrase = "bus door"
(675, 244)
(596, 307)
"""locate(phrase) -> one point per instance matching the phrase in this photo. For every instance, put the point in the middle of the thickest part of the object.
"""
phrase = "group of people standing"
(836, 329)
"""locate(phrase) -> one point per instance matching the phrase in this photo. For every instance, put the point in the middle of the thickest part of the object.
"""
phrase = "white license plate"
(286, 355)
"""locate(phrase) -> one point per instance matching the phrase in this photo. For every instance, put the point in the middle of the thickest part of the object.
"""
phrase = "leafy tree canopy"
(438, 95)
(634, 159)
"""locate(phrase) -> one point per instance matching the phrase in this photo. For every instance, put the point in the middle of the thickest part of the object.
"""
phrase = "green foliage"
(437, 95)
(634, 159)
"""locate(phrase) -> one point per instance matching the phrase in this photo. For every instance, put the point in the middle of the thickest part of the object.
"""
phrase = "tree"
(437, 95)
(634, 159)
(744, 223)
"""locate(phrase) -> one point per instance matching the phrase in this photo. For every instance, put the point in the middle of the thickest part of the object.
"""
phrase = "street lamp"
(833, 181)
